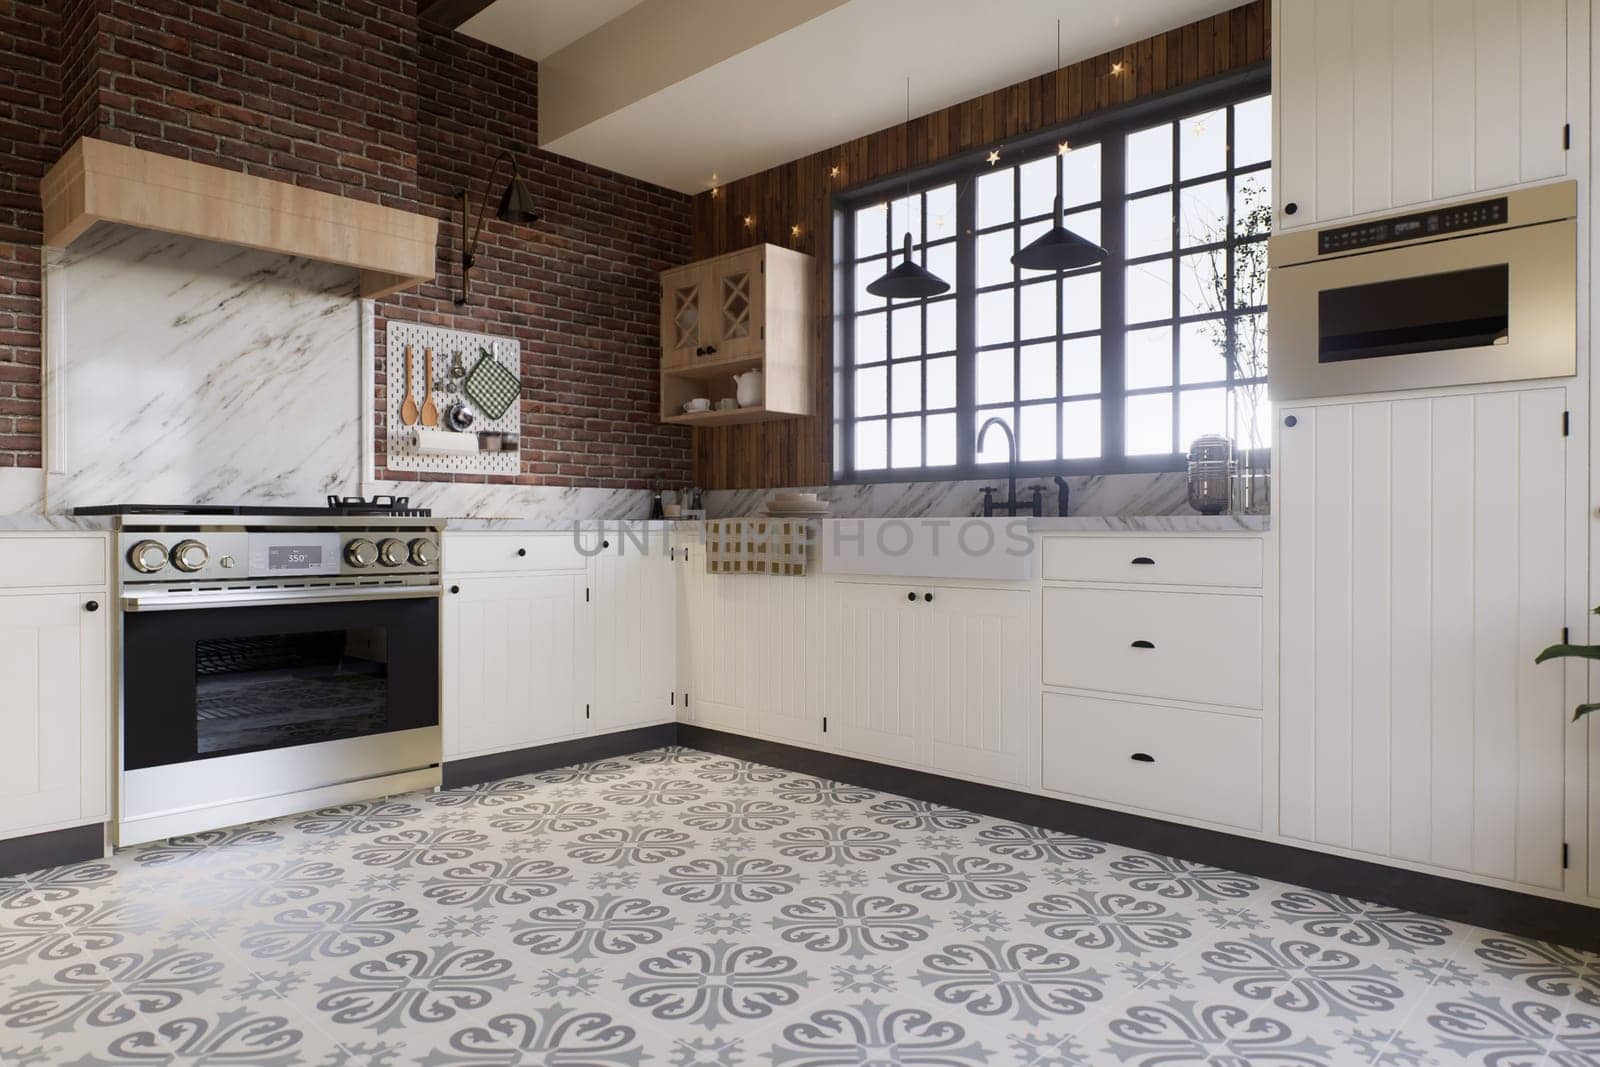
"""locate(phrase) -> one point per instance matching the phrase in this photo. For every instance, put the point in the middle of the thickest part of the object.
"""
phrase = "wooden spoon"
(430, 410)
(408, 406)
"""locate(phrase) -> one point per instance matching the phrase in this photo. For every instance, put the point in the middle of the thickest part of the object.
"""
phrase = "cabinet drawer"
(493, 553)
(53, 560)
(1198, 764)
(1231, 561)
(1204, 647)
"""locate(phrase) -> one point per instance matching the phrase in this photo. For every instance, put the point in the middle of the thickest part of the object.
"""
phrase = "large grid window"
(1115, 367)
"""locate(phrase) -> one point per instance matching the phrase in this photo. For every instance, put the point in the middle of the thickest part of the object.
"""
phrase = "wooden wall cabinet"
(747, 310)
(1382, 104)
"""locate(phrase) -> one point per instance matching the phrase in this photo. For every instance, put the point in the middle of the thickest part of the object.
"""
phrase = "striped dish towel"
(758, 546)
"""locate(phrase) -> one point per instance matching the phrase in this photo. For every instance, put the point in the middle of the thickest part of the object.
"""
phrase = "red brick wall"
(356, 98)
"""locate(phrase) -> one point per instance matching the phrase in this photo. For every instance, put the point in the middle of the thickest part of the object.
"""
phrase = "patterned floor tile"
(693, 910)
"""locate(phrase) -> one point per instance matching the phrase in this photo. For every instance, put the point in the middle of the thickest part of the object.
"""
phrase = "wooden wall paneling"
(799, 451)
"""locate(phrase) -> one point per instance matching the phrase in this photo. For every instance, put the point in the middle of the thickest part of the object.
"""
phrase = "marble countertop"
(26, 522)
(1047, 524)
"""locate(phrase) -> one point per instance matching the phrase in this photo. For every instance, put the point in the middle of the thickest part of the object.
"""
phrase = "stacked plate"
(796, 505)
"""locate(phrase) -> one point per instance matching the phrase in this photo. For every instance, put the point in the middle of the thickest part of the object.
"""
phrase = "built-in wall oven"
(1476, 291)
(272, 664)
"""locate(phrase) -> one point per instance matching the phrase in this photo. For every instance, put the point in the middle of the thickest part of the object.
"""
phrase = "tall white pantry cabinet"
(1430, 544)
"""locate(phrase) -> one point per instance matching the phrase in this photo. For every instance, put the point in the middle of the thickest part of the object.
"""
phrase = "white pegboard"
(403, 454)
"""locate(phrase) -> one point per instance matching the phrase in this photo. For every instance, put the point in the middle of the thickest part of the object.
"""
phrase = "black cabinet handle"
(710, 349)
(911, 597)
(1290, 208)
(1290, 421)
(1143, 561)
(1142, 644)
(928, 597)
(93, 605)
(522, 552)
(455, 589)
(1142, 757)
(605, 544)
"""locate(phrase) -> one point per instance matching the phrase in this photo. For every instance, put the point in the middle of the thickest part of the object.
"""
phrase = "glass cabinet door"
(684, 333)
(738, 288)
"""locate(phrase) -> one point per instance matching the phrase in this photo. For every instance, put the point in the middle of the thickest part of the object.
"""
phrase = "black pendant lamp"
(1058, 248)
(910, 280)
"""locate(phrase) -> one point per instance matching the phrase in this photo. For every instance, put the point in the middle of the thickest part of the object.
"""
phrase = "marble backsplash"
(187, 371)
(1112, 494)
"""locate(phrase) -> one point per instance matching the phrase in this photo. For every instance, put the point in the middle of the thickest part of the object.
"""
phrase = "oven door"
(210, 678)
(1493, 307)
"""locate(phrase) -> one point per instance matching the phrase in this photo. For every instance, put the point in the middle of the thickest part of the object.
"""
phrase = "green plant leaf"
(1583, 709)
(1569, 651)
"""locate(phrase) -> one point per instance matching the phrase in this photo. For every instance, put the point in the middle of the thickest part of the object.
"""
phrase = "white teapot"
(748, 388)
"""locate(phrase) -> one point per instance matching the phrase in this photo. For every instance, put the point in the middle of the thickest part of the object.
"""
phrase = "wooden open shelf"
(715, 368)
(727, 418)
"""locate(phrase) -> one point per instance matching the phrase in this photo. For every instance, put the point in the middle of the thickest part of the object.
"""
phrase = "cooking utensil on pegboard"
(430, 410)
(408, 406)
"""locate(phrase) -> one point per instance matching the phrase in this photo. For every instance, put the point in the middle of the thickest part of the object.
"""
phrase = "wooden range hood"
(98, 181)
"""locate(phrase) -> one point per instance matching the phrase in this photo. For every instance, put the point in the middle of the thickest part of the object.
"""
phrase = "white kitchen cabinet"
(784, 634)
(1423, 566)
(633, 604)
(930, 676)
(1386, 103)
(717, 668)
(55, 717)
(510, 661)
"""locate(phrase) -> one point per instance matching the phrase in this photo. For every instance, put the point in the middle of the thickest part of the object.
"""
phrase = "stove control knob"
(361, 553)
(189, 556)
(391, 552)
(424, 552)
(147, 557)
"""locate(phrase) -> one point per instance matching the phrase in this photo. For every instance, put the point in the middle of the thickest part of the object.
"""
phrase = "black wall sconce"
(516, 207)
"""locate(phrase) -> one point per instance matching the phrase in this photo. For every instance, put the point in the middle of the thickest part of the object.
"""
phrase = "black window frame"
(964, 170)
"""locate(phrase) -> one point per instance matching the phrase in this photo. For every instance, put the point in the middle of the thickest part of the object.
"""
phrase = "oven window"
(1431, 313)
(271, 691)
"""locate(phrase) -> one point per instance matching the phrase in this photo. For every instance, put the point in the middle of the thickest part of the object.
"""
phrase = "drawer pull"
(1143, 644)
(911, 596)
(1143, 561)
(1142, 757)
(522, 552)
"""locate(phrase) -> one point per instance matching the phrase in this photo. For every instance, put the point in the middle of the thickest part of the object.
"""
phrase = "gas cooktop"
(378, 506)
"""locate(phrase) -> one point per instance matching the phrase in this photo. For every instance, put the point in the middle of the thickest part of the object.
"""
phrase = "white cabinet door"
(1422, 564)
(1385, 103)
(510, 648)
(979, 670)
(878, 682)
(786, 631)
(633, 606)
(55, 715)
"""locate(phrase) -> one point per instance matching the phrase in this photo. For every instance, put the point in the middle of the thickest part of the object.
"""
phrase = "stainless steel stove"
(273, 660)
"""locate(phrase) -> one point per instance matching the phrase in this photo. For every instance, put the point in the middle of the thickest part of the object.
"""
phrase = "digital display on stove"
(294, 557)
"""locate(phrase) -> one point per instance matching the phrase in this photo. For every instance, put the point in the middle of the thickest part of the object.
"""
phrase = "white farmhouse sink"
(999, 549)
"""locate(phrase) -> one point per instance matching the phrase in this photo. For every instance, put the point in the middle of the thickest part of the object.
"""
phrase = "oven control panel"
(1480, 214)
(262, 557)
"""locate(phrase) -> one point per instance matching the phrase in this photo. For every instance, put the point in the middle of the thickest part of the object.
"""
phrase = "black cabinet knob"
(1142, 757)
(928, 597)
(605, 544)
(1290, 208)
(1143, 644)
(522, 552)
(93, 605)
(455, 589)
(710, 349)
(1291, 421)
(911, 597)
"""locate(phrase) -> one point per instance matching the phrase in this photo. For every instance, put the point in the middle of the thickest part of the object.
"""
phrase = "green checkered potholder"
(490, 386)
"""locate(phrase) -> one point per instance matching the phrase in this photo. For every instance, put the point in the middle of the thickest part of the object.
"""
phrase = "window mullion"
(1113, 286)
(966, 322)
